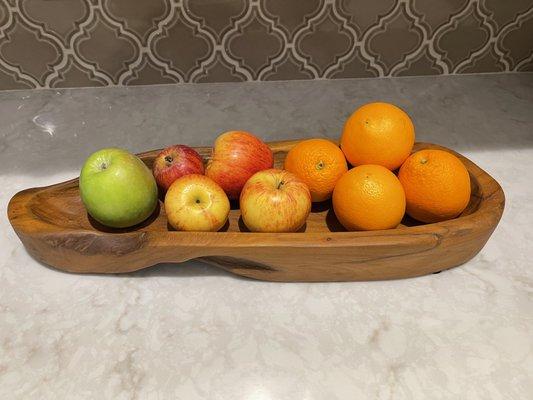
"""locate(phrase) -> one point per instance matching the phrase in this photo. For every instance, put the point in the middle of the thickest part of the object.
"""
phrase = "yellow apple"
(275, 200)
(196, 203)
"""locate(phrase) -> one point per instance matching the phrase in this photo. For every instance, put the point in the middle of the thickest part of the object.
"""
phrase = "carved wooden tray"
(54, 227)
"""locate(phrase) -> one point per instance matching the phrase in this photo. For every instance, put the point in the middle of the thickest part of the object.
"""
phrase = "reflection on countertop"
(193, 331)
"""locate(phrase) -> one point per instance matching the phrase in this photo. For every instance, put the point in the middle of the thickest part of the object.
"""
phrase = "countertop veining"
(190, 331)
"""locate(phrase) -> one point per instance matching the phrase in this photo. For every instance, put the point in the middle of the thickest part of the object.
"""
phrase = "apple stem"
(103, 166)
(168, 159)
(280, 184)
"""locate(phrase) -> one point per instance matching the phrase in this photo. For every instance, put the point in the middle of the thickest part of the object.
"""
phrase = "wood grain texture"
(54, 227)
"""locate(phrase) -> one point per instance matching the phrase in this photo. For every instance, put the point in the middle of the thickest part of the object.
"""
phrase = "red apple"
(174, 162)
(275, 200)
(237, 155)
(196, 203)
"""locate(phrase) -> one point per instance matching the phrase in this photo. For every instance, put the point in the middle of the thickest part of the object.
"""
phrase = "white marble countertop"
(191, 331)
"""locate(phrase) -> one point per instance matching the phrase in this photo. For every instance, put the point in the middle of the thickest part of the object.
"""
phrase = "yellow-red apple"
(196, 203)
(237, 155)
(275, 200)
(174, 162)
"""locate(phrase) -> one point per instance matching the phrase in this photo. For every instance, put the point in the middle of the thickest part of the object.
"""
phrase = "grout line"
(295, 81)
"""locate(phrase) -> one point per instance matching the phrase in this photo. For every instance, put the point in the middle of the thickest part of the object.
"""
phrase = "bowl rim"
(491, 198)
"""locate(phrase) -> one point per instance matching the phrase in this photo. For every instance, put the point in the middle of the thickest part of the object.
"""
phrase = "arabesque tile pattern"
(58, 43)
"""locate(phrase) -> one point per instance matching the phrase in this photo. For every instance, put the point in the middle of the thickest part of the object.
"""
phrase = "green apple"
(118, 190)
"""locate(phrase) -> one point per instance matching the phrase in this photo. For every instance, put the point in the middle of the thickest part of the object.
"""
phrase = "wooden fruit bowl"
(54, 227)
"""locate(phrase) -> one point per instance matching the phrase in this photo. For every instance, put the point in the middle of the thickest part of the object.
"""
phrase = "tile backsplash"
(72, 43)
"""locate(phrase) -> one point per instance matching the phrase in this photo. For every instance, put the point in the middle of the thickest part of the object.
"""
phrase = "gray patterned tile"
(57, 43)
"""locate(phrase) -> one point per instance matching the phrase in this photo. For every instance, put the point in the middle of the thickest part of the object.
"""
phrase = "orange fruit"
(369, 197)
(436, 184)
(378, 133)
(319, 163)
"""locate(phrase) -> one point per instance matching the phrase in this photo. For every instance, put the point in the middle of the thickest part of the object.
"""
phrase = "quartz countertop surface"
(190, 331)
